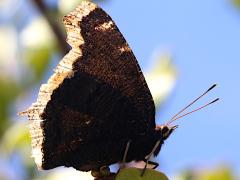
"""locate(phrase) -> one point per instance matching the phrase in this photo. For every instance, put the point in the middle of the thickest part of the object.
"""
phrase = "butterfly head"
(162, 133)
(165, 130)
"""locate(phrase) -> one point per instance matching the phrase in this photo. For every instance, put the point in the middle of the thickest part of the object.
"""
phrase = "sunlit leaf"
(16, 141)
(8, 51)
(8, 92)
(236, 3)
(16, 137)
(37, 34)
(38, 60)
(67, 6)
(161, 79)
(220, 173)
(135, 173)
(39, 44)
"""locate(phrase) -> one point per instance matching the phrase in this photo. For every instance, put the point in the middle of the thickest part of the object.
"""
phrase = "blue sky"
(203, 38)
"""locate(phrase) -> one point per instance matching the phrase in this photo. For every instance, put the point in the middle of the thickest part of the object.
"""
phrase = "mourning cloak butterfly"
(96, 101)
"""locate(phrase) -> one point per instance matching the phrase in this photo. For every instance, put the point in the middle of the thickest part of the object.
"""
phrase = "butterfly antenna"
(178, 117)
(209, 89)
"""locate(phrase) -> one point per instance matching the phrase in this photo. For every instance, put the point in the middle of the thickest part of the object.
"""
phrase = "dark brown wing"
(96, 100)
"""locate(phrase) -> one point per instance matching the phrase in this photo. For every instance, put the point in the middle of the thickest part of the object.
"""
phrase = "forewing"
(97, 98)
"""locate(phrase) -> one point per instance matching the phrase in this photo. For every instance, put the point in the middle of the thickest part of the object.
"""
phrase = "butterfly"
(96, 103)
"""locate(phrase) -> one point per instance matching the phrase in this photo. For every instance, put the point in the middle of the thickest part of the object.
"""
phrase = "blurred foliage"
(38, 47)
(24, 60)
(161, 78)
(236, 3)
(67, 6)
(20, 138)
(38, 60)
(9, 91)
(220, 173)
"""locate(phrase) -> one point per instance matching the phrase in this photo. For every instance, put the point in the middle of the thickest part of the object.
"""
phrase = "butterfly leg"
(149, 156)
(125, 153)
(155, 164)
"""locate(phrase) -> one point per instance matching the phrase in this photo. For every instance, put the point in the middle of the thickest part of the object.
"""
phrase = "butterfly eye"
(165, 129)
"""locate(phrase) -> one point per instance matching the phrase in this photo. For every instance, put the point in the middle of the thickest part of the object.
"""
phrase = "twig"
(54, 26)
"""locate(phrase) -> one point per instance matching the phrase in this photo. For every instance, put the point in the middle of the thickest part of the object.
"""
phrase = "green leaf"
(161, 79)
(38, 59)
(219, 173)
(135, 174)
(67, 6)
(16, 137)
(16, 140)
(8, 93)
(38, 46)
(236, 3)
